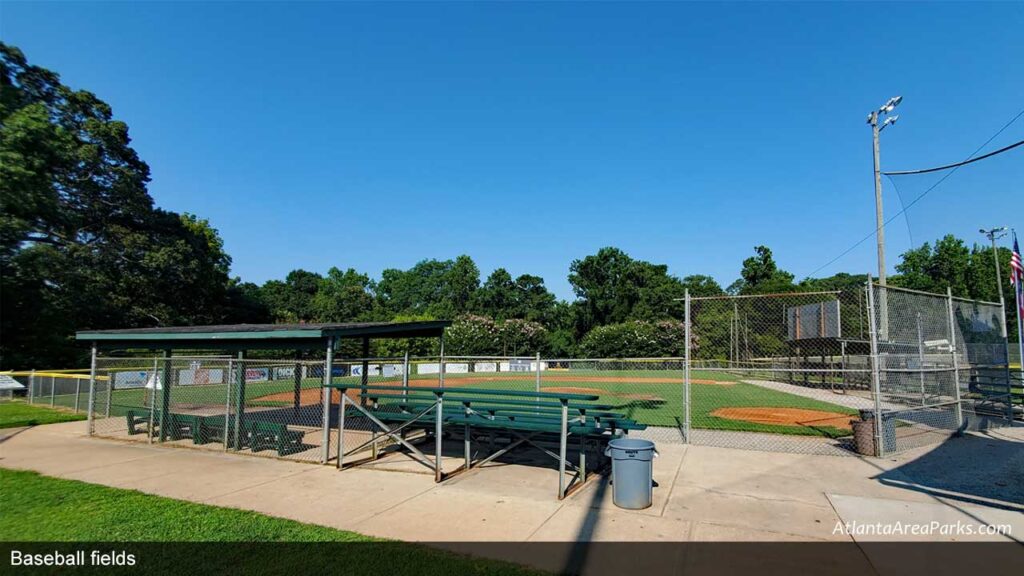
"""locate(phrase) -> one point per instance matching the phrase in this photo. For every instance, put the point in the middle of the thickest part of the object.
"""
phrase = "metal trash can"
(632, 472)
(864, 433)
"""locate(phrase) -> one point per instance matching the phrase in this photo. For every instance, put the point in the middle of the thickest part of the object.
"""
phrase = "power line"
(953, 169)
(957, 165)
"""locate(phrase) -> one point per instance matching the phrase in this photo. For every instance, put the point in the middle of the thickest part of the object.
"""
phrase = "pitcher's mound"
(787, 417)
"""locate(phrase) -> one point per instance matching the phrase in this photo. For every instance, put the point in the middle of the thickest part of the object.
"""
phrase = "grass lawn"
(16, 413)
(42, 509)
(646, 401)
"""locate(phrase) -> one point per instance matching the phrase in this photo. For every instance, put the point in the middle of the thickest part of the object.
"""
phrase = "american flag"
(1017, 275)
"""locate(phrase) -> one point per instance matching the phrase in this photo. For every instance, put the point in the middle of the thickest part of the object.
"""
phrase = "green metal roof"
(258, 335)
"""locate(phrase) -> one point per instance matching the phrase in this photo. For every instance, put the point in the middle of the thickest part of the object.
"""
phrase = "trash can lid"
(631, 444)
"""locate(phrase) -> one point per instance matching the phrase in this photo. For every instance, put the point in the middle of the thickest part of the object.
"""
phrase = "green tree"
(442, 289)
(761, 275)
(343, 297)
(81, 244)
(611, 288)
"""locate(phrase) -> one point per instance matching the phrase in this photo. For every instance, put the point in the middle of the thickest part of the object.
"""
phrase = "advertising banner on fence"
(485, 367)
(257, 374)
(131, 379)
(200, 376)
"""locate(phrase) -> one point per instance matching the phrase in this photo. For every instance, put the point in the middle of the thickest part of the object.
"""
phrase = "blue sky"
(526, 135)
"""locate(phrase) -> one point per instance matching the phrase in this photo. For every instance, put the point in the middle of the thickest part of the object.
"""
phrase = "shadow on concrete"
(979, 469)
(581, 548)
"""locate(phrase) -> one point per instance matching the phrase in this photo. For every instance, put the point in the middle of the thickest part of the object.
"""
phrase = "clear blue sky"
(527, 135)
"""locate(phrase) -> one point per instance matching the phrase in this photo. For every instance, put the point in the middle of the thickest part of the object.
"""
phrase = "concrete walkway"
(703, 493)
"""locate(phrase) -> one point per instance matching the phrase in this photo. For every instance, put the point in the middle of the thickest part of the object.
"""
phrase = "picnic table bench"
(526, 417)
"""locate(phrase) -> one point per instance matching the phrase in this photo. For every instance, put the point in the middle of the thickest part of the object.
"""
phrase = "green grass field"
(630, 391)
(16, 413)
(42, 509)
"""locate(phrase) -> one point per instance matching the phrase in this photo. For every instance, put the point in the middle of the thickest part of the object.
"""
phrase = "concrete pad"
(199, 476)
(328, 497)
(461, 515)
(873, 515)
(751, 512)
(591, 524)
(58, 459)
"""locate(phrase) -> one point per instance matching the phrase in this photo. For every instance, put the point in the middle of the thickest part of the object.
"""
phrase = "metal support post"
(341, 428)
(92, 388)
(32, 387)
(297, 377)
(563, 439)
(686, 370)
(53, 389)
(438, 416)
(405, 377)
(875, 380)
(227, 405)
(165, 395)
(440, 371)
(78, 392)
(239, 435)
(954, 348)
(325, 446)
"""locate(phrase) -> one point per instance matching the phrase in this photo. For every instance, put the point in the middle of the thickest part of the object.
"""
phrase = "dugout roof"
(254, 336)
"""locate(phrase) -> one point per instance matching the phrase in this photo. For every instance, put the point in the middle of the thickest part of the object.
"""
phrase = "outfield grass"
(16, 413)
(42, 509)
(651, 403)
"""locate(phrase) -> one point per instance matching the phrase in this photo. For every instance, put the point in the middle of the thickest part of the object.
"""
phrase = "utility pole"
(879, 221)
(994, 234)
(876, 129)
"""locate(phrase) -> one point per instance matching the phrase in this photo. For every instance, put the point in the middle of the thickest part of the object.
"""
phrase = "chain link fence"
(780, 372)
(875, 370)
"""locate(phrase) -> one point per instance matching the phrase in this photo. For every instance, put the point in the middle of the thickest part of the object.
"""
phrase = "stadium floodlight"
(890, 120)
(891, 104)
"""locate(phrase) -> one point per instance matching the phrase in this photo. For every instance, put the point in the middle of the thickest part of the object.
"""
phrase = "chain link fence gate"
(779, 372)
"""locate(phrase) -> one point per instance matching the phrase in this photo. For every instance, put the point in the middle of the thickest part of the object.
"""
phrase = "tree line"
(82, 245)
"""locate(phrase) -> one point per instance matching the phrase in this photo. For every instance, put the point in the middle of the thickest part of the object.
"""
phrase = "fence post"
(239, 400)
(955, 350)
(876, 392)
(405, 376)
(78, 392)
(92, 388)
(686, 370)
(538, 372)
(440, 370)
(53, 389)
(227, 403)
(325, 448)
(32, 386)
(110, 395)
(165, 395)
(1006, 357)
